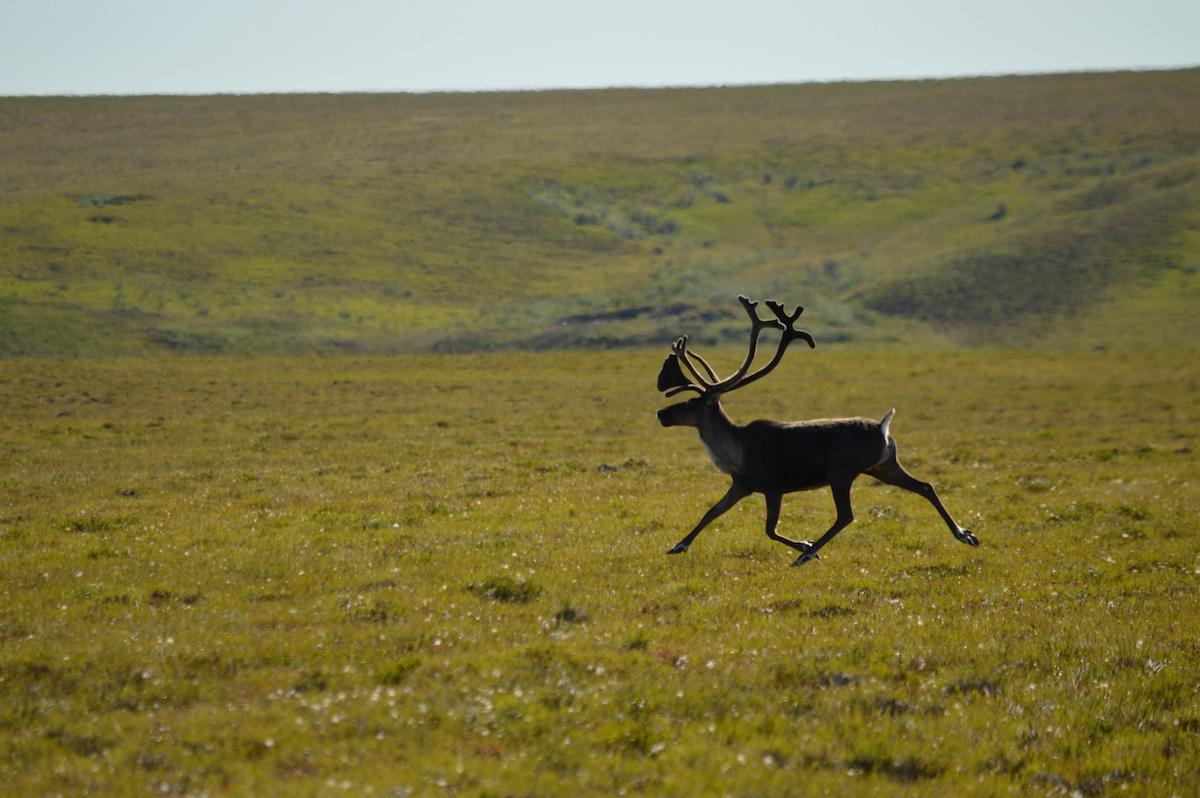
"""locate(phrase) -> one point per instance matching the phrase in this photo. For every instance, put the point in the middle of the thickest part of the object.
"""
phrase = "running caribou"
(774, 458)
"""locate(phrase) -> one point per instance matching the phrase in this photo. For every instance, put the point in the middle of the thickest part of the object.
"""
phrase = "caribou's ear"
(671, 376)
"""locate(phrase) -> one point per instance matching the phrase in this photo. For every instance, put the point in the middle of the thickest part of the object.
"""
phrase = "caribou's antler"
(685, 358)
(786, 323)
(704, 365)
(672, 374)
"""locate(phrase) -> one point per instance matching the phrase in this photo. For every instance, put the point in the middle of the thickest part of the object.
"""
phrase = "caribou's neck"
(721, 439)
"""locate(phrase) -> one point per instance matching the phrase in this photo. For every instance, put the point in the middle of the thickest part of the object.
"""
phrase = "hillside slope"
(1049, 211)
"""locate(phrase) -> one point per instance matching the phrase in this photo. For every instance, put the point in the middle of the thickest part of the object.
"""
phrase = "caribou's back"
(782, 457)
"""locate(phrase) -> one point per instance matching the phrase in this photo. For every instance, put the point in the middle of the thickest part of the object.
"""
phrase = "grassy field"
(1055, 211)
(445, 575)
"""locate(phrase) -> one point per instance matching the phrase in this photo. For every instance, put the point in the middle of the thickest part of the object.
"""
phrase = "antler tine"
(751, 306)
(681, 388)
(712, 375)
(679, 348)
(786, 322)
(788, 319)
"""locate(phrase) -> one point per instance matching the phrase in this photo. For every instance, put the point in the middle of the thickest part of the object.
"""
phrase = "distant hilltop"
(1049, 211)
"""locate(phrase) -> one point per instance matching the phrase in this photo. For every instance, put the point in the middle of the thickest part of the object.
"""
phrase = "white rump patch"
(887, 420)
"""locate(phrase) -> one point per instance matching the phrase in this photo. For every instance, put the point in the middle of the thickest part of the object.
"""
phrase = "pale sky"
(244, 46)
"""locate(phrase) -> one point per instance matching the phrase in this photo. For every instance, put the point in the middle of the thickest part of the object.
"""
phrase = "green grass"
(444, 574)
(416, 223)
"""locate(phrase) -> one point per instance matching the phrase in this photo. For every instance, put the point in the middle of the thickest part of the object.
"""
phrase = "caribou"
(773, 457)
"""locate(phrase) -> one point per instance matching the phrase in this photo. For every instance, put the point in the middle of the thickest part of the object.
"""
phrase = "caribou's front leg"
(735, 494)
(774, 502)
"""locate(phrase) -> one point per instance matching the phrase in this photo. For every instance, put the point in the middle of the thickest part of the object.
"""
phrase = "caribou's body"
(774, 458)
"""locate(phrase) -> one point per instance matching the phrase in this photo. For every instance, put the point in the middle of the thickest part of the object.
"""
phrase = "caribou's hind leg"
(892, 473)
(845, 517)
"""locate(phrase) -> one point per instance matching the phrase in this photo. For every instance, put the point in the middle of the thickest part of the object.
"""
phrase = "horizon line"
(1083, 71)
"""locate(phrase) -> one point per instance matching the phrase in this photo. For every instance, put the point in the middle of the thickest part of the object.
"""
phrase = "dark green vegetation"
(1059, 210)
(445, 575)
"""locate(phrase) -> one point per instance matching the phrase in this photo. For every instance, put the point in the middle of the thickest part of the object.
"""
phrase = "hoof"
(808, 554)
(966, 536)
(678, 548)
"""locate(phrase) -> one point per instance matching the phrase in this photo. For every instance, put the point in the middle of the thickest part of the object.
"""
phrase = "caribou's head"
(672, 380)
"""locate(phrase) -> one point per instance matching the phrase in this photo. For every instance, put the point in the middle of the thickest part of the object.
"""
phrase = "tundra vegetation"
(445, 574)
(421, 568)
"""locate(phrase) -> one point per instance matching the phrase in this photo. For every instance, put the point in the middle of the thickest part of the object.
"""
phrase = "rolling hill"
(1049, 211)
